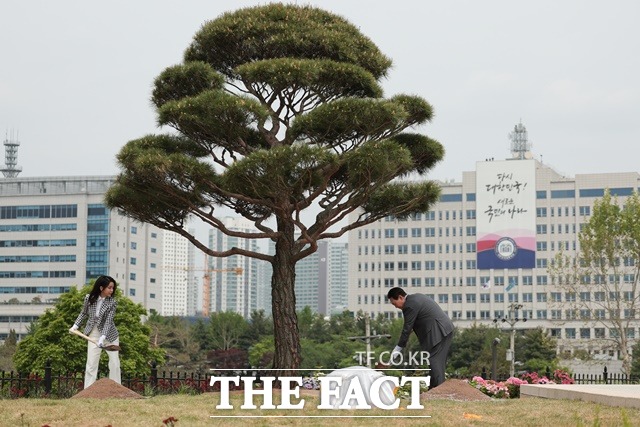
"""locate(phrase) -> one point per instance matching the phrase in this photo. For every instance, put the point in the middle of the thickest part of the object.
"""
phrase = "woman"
(100, 308)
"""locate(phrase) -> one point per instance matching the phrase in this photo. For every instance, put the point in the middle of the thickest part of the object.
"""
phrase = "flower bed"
(510, 388)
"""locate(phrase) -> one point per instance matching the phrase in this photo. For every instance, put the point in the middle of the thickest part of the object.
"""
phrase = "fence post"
(47, 377)
(154, 375)
(483, 374)
(605, 375)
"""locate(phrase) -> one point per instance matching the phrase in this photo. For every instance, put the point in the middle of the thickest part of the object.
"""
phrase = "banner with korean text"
(506, 214)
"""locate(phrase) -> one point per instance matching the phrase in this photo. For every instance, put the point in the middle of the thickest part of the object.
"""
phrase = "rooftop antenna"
(519, 143)
(11, 168)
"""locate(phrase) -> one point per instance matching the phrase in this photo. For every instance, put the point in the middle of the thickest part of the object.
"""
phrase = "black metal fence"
(64, 385)
(67, 384)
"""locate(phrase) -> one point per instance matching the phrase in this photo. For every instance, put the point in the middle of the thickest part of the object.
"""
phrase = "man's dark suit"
(433, 328)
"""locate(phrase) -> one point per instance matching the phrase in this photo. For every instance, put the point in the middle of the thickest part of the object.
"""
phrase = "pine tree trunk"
(285, 320)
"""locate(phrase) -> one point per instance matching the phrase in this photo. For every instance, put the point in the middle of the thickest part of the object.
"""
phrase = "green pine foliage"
(275, 110)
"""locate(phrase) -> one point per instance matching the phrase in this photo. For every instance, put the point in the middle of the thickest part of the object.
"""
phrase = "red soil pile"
(105, 388)
(455, 390)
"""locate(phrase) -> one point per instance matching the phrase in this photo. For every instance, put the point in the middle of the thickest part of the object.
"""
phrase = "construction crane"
(206, 285)
(206, 281)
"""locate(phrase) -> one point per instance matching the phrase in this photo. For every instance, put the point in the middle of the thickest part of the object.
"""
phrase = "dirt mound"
(455, 390)
(105, 388)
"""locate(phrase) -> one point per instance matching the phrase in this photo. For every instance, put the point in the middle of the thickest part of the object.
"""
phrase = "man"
(432, 326)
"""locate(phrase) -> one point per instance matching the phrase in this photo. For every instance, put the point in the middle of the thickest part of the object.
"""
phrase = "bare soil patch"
(105, 388)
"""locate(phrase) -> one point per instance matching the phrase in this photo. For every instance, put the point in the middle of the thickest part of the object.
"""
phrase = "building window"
(132, 292)
(132, 276)
(133, 261)
(134, 230)
(134, 245)
(570, 333)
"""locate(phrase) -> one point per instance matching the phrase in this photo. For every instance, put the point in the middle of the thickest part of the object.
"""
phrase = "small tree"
(49, 338)
(635, 364)
(277, 109)
(536, 350)
(225, 330)
(7, 350)
(601, 279)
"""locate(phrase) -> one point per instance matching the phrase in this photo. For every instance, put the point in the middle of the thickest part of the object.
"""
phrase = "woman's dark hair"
(101, 282)
(394, 293)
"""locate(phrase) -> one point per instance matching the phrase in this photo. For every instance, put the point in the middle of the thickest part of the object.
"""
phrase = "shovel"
(112, 347)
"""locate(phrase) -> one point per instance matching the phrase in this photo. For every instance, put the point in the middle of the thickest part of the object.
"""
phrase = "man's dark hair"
(394, 293)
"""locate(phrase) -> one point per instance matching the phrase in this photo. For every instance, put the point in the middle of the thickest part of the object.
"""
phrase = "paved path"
(606, 394)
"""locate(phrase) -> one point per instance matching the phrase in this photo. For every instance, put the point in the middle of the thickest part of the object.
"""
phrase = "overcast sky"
(76, 76)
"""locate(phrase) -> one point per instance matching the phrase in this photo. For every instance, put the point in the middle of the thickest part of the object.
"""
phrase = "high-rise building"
(484, 250)
(321, 278)
(231, 283)
(56, 233)
(179, 283)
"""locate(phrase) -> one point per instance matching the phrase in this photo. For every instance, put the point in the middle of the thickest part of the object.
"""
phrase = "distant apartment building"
(56, 233)
(179, 280)
(231, 283)
(486, 247)
(321, 278)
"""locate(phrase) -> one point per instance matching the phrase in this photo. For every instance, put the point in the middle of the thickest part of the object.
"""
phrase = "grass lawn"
(196, 411)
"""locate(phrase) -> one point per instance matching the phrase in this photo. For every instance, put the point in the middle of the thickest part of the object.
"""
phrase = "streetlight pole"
(512, 319)
(368, 337)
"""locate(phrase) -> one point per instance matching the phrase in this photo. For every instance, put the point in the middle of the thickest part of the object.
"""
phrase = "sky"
(76, 76)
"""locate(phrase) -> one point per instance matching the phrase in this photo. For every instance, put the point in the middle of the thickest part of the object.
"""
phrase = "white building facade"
(487, 246)
(179, 280)
(56, 233)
